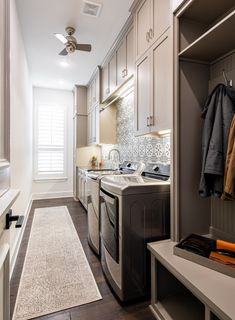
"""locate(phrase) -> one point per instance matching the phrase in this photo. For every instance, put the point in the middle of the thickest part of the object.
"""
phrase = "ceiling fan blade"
(83, 47)
(63, 52)
(61, 37)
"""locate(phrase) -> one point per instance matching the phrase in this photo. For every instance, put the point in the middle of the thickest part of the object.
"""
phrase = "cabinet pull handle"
(151, 121)
(147, 36)
(151, 35)
(147, 121)
(123, 73)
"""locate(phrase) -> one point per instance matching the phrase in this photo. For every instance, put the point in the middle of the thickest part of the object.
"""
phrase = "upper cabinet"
(152, 18)
(153, 88)
(125, 57)
(109, 77)
(113, 74)
(105, 82)
(93, 90)
(119, 67)
(80, 116)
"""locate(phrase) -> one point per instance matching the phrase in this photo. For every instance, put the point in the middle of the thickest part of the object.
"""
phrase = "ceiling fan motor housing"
(70, 47)
(70, 31)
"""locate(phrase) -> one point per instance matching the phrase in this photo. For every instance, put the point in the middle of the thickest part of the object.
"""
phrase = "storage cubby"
(175, 298)
(200, 19)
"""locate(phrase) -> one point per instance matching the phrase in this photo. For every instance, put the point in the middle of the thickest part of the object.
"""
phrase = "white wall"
(20, 124)
(56, 188)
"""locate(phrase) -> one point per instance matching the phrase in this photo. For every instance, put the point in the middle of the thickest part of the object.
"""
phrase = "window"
(50, 142)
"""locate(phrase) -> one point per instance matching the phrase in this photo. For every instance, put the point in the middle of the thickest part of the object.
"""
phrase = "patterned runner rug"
(56, 273)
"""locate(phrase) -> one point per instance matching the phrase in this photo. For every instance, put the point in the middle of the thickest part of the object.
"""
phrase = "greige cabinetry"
(93, 99)
(80, 122)
(80, 116)
(152, 18)
(113, 74)
(105, 82)
(125, 58)
(109, 77)
(93, 90)
(119, 66)
(153, 89)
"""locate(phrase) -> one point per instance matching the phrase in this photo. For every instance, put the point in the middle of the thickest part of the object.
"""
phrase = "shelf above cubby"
(207, 11)
(213, 43)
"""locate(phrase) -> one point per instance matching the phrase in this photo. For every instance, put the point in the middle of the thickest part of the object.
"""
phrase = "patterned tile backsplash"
(131, 148)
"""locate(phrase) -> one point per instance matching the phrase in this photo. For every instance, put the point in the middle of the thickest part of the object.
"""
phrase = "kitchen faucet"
(118, 152)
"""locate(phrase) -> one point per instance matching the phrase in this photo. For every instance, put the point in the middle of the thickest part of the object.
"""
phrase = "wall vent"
(90, 8)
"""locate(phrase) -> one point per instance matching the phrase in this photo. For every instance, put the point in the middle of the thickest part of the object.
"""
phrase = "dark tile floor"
(106, 309)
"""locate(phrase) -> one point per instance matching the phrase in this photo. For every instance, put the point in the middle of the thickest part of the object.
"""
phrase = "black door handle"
(9, 218)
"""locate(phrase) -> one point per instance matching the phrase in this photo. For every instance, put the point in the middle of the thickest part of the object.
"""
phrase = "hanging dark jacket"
(218, 113)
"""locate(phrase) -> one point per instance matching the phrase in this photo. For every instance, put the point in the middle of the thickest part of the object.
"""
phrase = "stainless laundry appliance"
(135, 210)
(93, 206)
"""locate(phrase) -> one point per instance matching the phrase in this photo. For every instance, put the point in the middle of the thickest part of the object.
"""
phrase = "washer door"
(109, 223)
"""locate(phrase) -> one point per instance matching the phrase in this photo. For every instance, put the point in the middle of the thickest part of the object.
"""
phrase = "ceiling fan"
(70, 42)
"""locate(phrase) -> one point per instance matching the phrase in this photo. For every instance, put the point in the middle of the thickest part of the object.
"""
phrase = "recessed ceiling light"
(64, 64)
(61, 82)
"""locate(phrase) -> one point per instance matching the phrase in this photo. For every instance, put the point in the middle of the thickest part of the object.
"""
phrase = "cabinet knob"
(151, 34)
(147, 36)
(148, 122)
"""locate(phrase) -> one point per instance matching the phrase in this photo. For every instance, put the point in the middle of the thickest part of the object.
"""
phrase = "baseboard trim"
(52, 195)
(18, 240)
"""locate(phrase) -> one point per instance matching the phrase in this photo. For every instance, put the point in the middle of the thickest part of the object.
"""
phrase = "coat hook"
(229, 83)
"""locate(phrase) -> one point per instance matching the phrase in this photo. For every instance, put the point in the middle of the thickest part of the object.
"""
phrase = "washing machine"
(134, 210)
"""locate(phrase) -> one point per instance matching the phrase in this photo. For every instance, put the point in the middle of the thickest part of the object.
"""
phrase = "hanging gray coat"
(218, 113)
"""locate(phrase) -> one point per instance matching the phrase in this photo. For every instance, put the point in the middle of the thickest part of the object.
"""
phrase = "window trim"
(49, 177)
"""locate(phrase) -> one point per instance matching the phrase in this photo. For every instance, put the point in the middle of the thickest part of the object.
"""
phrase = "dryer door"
(109, 223)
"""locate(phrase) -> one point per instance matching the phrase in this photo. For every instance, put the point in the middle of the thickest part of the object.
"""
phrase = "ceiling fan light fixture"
(61, 37)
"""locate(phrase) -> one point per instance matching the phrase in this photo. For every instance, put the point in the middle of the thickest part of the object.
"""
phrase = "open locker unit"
(204, 54)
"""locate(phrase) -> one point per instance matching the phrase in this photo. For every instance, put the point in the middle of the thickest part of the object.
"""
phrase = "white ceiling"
(41, 18)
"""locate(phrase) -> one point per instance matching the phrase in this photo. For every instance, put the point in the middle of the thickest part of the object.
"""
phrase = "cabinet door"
(105, 82)
(81, 130)
(89, 126)
(89, 98)
(130, 53)
(161, 109)
(121, 62)
(161, 18)
(143, 24)
(113, 73)
(142, 95)
(95, 125)
(93, 91)
(97, 88)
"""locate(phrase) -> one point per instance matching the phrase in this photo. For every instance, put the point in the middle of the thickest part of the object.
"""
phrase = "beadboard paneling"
(223, 212)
